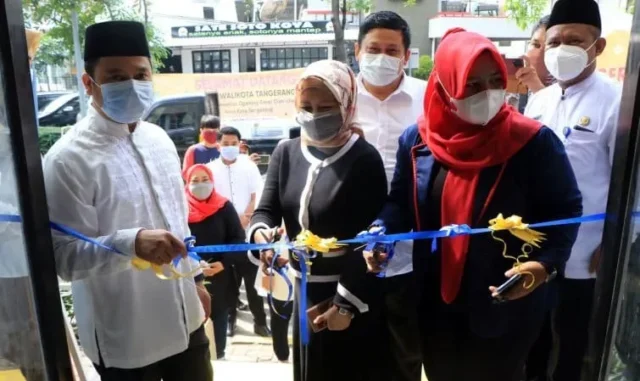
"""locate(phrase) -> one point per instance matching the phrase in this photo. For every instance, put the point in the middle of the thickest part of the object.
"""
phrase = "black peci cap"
(575, 12)
(116, 39)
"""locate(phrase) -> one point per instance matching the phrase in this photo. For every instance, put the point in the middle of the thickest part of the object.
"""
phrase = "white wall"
(224, 10)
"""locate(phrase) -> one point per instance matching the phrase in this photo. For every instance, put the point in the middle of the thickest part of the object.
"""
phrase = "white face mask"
(201, 191)
(480, 108)
(566, 62)
(379, 69)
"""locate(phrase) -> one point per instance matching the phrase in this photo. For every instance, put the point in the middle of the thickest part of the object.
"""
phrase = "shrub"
(425, 66)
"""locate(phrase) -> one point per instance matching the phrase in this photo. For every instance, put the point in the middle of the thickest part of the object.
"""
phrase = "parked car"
(180, 115)
(47, 97)
(61, 112)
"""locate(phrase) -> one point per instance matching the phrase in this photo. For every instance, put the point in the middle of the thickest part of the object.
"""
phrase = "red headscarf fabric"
(463, 148)
(202, 209)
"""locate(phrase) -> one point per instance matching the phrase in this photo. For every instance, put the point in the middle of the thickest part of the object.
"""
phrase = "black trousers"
(355, 354)
(280, 328)
(571, 324)
(538, 361)
(400, 315)
(244, 269)
(453, 352)
(194, 364)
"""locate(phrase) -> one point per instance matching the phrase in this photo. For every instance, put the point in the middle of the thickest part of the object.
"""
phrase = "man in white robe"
(117, 179)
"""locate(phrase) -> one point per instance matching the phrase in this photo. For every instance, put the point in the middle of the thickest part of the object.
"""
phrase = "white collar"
(329, 159)
(403, 88)
(581, 86)
(102, 125)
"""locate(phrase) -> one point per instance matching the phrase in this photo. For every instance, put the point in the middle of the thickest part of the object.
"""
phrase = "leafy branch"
(525, 12)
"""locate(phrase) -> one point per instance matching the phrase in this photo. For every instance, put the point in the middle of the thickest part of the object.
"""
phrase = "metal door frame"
(35, 216)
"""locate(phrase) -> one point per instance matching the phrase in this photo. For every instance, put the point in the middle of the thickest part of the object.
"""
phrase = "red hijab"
(202, 209)
(463, 148)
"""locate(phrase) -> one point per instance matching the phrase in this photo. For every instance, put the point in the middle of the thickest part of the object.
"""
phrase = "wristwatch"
(345, 312)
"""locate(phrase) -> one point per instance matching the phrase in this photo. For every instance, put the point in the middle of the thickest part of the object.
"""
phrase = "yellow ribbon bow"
(142, 264)
(519, 229)
(310, 241)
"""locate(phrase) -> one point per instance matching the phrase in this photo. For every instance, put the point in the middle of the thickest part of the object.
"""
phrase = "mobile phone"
(517, 62)
(317, 310)
(508, 285)
(513, 64)
(264, 159)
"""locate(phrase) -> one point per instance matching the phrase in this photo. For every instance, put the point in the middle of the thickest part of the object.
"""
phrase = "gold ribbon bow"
(142, 264)
(309, 241)
(519, 229)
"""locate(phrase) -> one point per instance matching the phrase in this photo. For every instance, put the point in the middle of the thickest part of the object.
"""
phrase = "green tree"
(425, 66)
(55, 16)
(525, 12)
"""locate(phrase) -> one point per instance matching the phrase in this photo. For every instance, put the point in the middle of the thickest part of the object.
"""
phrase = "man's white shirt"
(106, 182)
(382, 123)
(236, 182)
(585, 118)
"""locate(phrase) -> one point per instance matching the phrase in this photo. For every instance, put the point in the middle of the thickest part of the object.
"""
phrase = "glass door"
(32, 338)
(616, 317)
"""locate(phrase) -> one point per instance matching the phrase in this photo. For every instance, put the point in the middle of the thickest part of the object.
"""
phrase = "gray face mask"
(322, 126)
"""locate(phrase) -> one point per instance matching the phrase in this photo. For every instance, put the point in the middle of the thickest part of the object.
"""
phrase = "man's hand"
(255, 158)
(213, 269)
(528, 76)
(594, 264)
(205, 299)
(158, 246)
(262, 236)
(520, 291)
(334, 320)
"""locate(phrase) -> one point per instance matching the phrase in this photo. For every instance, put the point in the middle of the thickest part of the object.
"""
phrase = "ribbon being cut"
(307, 246)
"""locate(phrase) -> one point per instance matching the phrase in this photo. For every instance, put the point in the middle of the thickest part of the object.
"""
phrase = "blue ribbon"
(447, 231)
(282, 271)
(388, 246)
(189, 243)
(302, 305)
(451, 231)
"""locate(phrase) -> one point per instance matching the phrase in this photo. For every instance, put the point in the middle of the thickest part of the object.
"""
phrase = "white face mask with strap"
(566, 62)
(480, 108)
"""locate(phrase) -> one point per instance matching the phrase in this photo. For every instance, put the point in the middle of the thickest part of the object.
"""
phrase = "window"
(215, 61)
(247, 60)
(175, 116)
(208, 13)
(291, 58)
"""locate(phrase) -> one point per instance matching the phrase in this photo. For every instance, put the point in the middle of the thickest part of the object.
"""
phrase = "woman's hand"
(205, 299)
(374, 260)
(334, 320)
(213, 269)
(519, 290)
(255, 158)
(264, 236)
(528, 76)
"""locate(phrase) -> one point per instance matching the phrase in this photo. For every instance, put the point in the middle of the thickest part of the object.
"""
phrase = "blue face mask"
(229, 153)
(125, 102)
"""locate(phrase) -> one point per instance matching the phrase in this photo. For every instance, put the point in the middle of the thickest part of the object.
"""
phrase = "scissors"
(275, 237)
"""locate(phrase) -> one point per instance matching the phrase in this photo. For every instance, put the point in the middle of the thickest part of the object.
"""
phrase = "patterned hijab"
(341, 81)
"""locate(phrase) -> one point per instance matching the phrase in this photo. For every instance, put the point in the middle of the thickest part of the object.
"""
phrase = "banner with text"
(252, 29)
(241, 95)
